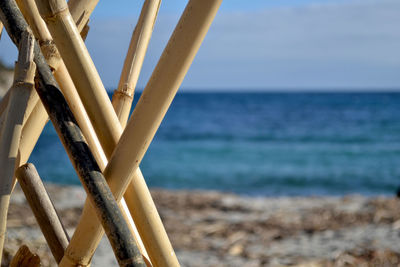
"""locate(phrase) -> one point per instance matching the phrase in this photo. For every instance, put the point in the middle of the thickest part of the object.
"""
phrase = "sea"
(264, 144)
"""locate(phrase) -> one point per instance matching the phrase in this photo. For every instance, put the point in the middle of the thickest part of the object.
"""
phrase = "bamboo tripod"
(55, 78)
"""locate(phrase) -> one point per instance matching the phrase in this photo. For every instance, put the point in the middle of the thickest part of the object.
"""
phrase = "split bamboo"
(21, 94)
(25, 258)
(43, 209)
(135, 140)
(71, 136)
(123, 95)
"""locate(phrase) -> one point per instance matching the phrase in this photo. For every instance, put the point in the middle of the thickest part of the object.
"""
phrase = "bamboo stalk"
(61, 74)
(1, 29)
(21, 92)
(135, 140)
(71, 136)
(31, 12)
(80, 12)
(25, 258)
(83, 72)
(43, 209)
(123, 95)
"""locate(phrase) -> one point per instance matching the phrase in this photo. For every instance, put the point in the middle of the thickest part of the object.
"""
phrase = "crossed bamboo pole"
(161, 89)
(93, 181)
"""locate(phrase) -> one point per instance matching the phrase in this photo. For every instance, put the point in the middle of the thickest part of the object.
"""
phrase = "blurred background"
(284, 98)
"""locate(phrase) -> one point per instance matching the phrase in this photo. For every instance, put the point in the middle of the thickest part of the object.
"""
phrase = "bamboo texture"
(140, 130)
(71, 136)
(25, 258)
(21, 94)
(123, 95)
(43, 209)
(67, 87)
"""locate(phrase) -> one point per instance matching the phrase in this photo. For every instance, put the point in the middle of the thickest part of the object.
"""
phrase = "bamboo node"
(125, 91)
(50, 53)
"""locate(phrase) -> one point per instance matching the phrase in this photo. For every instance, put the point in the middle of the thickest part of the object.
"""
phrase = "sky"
(262, 44)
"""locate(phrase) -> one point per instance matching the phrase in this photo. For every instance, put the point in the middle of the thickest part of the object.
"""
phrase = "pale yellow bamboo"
(61, 74)
(123, 95)
(80, 11)
(21, 93)
(1, 28)
(135, 140)
(83, 72)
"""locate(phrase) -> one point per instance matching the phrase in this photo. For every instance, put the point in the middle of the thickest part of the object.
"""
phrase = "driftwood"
(89, 173)
(43, 209)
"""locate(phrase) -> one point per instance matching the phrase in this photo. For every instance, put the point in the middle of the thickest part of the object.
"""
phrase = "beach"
(209, 228)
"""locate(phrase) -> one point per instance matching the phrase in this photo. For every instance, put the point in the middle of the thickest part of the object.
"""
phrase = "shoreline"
(209, 228)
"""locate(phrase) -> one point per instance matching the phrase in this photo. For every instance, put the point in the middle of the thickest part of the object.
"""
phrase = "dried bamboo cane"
(71, 136)
(43, 209)
(21, 92)
(25, 258)
(83, 72)
(123, 95)
(135, 140)
(31, 13)
(80, 11)
(1, 29)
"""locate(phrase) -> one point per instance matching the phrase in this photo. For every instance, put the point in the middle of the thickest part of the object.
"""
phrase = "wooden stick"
(135, 140)
(43, 209)
(10, 138)
(25, 258)
(72, 139)
(123, 95)
(1, 28)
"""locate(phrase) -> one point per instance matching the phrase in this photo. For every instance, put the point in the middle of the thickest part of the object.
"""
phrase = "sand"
(216, 229)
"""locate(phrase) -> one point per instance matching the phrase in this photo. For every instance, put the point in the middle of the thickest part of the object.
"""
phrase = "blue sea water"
(265, 144)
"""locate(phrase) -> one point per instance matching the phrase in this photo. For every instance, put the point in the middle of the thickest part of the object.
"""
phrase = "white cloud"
(352, 43)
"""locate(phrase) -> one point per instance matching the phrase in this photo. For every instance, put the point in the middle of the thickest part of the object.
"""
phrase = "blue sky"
(263, 44)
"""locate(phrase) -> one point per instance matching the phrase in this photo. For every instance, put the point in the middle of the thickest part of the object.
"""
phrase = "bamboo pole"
(123, 95)
(80, 11)
(83, 72)
(93, 181)
(25, 258)
(43, 209)
(21, 92)
(31, 13)
(1, 29)
(136, 138)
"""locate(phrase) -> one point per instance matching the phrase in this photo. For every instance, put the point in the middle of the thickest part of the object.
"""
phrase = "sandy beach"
(215, 229)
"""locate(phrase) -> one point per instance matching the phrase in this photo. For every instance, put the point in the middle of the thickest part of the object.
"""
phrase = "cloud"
(330, 44)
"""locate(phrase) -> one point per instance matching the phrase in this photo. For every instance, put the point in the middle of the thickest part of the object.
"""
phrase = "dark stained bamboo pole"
(43, 209)
(31, 14)
(89, 173)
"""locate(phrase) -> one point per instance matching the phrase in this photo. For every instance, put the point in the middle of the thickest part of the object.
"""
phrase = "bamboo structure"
(90, 126)
(92, 179)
